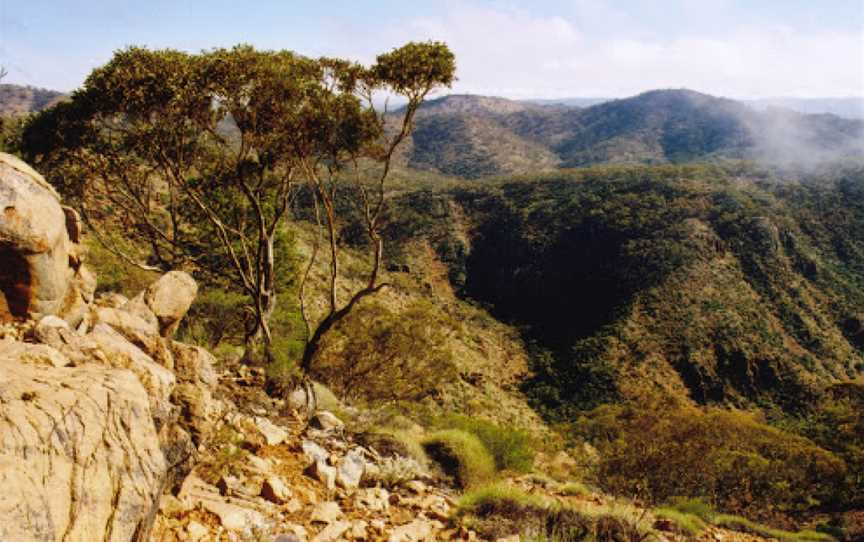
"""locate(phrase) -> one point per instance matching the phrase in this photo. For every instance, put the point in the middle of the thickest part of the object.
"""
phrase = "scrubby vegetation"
(499, 510)
(661, 450)
(511, 448)
(693, 333)
(462, 456)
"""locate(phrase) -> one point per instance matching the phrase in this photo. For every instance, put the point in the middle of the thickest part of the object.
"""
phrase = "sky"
(516, 49)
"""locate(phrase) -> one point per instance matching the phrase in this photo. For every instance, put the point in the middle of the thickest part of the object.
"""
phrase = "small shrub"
(114, 274)
(511, 448)
(462, 456)
(378, 355)
(497, 497)
(745, 466)
(227, 457)
(685, 523)
(497, 511)
(394, 442)
(575, 489)
(395, 471)
(738, 523)
(693, 506)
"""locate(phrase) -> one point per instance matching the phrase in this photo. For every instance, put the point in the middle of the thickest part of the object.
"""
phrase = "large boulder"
(170, 298)
(40, 266)
(80, 457)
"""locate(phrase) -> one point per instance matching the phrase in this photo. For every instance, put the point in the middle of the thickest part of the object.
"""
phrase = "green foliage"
(727, 283)
(227, 458)
(462, 456)
(497, 495)
(836, 423)
(11, 129)
(114, 274)
(511, 448)
(216, 315)
(688, 524)
(575, 489)
(498, 511)
(196, 157)
(693, 506)
(378, 355)
(742, 524)
(661, 450)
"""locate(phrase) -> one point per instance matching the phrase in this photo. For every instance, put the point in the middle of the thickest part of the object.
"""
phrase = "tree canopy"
(180, 160)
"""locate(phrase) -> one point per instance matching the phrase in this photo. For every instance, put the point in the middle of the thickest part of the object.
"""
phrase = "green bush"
(379, 355)
(738, 523)
(113, 274)
(662, 450)
(497, 496)
(498, 511)
(575, 489)
(685, 523)
(462, 456)
(511, 448)
(695, 507)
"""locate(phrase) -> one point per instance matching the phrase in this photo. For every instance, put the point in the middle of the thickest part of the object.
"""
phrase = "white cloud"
(511, 52)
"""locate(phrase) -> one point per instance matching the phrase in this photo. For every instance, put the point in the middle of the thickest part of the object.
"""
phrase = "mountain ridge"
(658, 126)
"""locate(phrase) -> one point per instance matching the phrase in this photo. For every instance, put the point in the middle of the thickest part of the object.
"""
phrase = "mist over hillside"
(851, 108)
(472, 136)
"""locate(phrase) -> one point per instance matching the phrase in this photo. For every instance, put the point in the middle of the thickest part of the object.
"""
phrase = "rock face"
(40, 266)
(94, 423)
(79, 454)
(94, 426)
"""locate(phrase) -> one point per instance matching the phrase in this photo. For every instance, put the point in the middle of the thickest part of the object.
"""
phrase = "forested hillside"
(19, 100)
(469, 137)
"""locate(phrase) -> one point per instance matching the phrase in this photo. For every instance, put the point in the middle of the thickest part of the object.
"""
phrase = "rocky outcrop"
(94, 426)
(79, 454)
(41, 271)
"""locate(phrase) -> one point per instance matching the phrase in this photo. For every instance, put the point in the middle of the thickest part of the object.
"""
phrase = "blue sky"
(551, 49)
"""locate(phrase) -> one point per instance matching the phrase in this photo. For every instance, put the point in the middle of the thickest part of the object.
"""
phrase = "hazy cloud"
(514, 52)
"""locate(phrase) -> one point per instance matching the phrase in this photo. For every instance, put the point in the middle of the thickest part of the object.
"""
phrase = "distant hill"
(19, 100)
(476, 136)
(851, 108)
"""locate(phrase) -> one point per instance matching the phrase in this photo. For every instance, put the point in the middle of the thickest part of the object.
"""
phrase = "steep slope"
(475, 136)
(719, 285)
(466, 136)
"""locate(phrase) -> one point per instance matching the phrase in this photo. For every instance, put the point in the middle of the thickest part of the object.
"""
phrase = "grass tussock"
(511, 447)
(692, 516)
(575, 489)
(739, 523)
(391, 442)
(462, 456)
(498, 511)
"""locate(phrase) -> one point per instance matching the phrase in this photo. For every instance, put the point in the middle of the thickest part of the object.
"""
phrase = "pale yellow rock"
(418, 530)
(40, 268)
(33, 354)
(107, 346)
(197, 531)
(326, 512)
(332, 532)
(194, 364)
(170, 298)
(137, 331)
(79, 454)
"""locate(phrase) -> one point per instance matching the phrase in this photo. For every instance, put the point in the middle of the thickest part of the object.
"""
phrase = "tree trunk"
(265, 299)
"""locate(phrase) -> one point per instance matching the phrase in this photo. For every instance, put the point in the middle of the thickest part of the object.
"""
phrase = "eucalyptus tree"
(194, 161)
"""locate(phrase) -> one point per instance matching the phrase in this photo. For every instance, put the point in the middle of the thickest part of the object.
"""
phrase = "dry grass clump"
(498, 511)
(461, 456)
